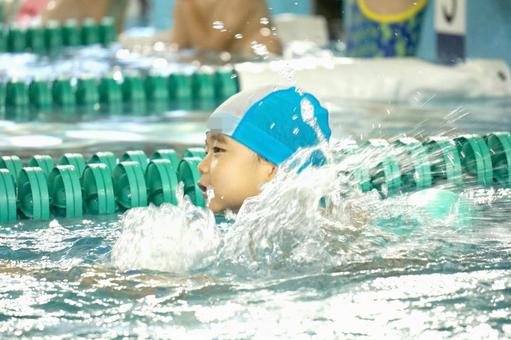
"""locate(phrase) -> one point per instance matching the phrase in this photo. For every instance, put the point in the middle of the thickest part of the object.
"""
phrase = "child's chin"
(215, 207)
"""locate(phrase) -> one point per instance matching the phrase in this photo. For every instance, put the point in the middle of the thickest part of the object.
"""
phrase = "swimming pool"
(282, 269)
(289, 272)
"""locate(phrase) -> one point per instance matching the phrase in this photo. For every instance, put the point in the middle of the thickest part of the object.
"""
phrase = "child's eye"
(216, 149)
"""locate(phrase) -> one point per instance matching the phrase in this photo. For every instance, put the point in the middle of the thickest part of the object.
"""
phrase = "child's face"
(233, 171)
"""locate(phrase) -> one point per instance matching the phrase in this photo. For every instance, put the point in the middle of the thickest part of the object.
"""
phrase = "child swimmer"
(250, 135)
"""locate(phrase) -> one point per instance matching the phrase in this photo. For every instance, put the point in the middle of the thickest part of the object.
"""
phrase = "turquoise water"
(283, 268)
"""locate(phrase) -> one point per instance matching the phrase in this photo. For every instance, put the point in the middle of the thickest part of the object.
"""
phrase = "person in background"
(383, 28)
(240, 27)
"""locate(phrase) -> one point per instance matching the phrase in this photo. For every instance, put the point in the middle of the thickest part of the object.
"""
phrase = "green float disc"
(16, 40)
(33, 197)
(420, 177)
(188, 173)
(161, 182)
(156, 88)
(53, 37)
(35, 39)
(203, 85)
(71, 33)
(445, 161)
(63, 95)
(107, 31)
(40, 97)
(90, 32)
(180, 87)
(11, 163)
(110, 94)
(65, 192)
(169, 154)
(98, 190)
(107, 158)
(129, 185)
(3, 37)
(195, 152)
(16, 97)
(387, 178)
(363, 180)
(226, 83)
(500, 149)
(476, 158)
(7, 197)
(136, 156)
(75, 159)
(44, 162)
(133, 89)
(2, 98)
(87, 94)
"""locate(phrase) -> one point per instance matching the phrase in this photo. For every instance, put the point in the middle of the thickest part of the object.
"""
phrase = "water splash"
(169, 238)
(308, 221)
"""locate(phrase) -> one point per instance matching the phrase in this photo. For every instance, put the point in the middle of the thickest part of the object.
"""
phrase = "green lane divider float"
(104, 186)
(7, 197)
(161, 180)
(65, 191)
(33, 196)
(98, 190)
(16, 39)
(180, 88)
(11, 163)
(188, 173)
(386, 175)
(64, 95)
(168, 154)
(134, 93)
(500, 150)
(107, 158)
(129, 185)
(45, 162)
(136, 156)
(16, 96)
(195, 152)
(476, 159)
(40, 96)
(76, 160)
(417, 169)
(36, 42)
(87, 93)
(52, 37)
(446, 163)
(71, 33)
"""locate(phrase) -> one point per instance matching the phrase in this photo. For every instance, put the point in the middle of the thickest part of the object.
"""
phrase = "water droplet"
(264, 21)
(307, 110)
(265, 32)
(272, 126)
(296, 131)
(238, 36)
(295, 117)
(218, 25)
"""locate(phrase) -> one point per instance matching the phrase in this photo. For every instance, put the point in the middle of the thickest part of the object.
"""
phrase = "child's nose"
(203, 166)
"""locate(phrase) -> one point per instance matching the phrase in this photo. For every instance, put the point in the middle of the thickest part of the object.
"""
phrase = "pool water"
(284, 266)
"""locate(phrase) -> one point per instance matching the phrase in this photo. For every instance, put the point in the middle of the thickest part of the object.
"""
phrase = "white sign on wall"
(450, 16)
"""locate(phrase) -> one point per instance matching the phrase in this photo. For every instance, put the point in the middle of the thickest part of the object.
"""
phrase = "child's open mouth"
(204, 190)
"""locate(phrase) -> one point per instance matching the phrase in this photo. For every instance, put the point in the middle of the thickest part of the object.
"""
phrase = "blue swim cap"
(272, 122)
